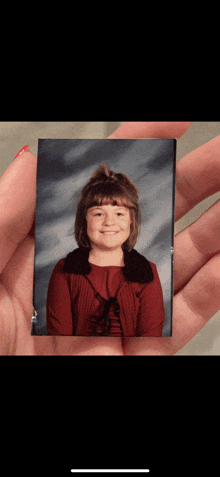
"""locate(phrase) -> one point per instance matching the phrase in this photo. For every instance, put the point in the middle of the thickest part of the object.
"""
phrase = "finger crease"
(189, 304)
(185, 188)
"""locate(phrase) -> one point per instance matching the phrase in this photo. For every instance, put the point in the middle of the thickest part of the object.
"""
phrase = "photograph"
(89, 264)
(104, 231)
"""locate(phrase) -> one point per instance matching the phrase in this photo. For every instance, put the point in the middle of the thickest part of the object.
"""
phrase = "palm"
(16, 283)
(196, 256)
(16, 288)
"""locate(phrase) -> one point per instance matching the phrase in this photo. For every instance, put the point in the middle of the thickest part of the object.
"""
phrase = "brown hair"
(107, 187)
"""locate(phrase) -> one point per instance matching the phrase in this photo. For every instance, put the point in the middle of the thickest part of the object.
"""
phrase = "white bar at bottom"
(110, 470)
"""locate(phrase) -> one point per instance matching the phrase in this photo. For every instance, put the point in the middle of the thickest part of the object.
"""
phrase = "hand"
(196, 249)
(196, 255)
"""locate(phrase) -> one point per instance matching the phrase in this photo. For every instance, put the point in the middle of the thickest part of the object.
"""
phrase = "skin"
(196, 255)
(108, 227)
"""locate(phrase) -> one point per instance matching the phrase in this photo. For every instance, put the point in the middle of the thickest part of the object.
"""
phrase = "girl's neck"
(107, 258)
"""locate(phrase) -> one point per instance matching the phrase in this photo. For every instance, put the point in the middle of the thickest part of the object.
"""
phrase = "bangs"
(98, 200)
(108, 195)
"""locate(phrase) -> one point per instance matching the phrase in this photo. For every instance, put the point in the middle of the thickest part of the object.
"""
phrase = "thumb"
(17, 203)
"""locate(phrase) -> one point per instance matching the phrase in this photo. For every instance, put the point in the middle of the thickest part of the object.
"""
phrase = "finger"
(197, 173)
(197, 176)
(165, 129)
(7, 323)
(17, 283)
(17, 276)
(78, 345)
(17, 290)
(193, 307)
(195, 245)
(17, 203)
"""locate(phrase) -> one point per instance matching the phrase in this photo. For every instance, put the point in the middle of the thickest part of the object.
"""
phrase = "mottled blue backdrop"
(64, 167)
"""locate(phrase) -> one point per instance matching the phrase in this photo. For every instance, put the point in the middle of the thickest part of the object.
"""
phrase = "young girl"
(105, 287)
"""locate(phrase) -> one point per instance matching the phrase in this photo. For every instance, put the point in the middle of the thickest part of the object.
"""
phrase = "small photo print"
(104, 237)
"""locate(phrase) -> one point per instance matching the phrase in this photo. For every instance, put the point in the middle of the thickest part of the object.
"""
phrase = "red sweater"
(105, 281)
(73, 304)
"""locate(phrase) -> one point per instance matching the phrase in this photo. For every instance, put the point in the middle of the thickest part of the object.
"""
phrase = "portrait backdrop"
(65, 166)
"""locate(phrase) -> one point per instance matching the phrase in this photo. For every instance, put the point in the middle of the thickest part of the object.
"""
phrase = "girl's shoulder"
(137, 267)
(77, 262)
(138, 256)
(58, 268)
(72, 260)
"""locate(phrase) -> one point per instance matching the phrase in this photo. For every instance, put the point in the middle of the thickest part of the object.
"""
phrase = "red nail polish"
(24, 149)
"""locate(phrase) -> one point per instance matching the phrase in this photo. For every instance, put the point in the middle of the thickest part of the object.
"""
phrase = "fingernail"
(24, 149)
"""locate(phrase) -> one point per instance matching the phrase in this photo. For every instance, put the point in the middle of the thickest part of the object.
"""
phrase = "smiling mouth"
(109, 233)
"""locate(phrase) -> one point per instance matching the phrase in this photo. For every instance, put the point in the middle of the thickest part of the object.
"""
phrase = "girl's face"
(108, 226)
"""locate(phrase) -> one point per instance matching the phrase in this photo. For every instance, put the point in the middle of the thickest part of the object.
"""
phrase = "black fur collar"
(137, 268)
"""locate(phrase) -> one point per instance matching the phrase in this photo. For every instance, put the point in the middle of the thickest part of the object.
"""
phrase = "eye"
(98, 214)
(119, 214)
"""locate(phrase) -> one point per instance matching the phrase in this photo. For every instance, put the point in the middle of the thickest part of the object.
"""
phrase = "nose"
(108, 219)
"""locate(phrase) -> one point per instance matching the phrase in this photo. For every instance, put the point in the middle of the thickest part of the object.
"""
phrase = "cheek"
(127, 228)
(91, 227)
(130, 227)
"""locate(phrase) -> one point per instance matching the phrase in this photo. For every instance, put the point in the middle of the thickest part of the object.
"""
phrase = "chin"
(107, 246)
